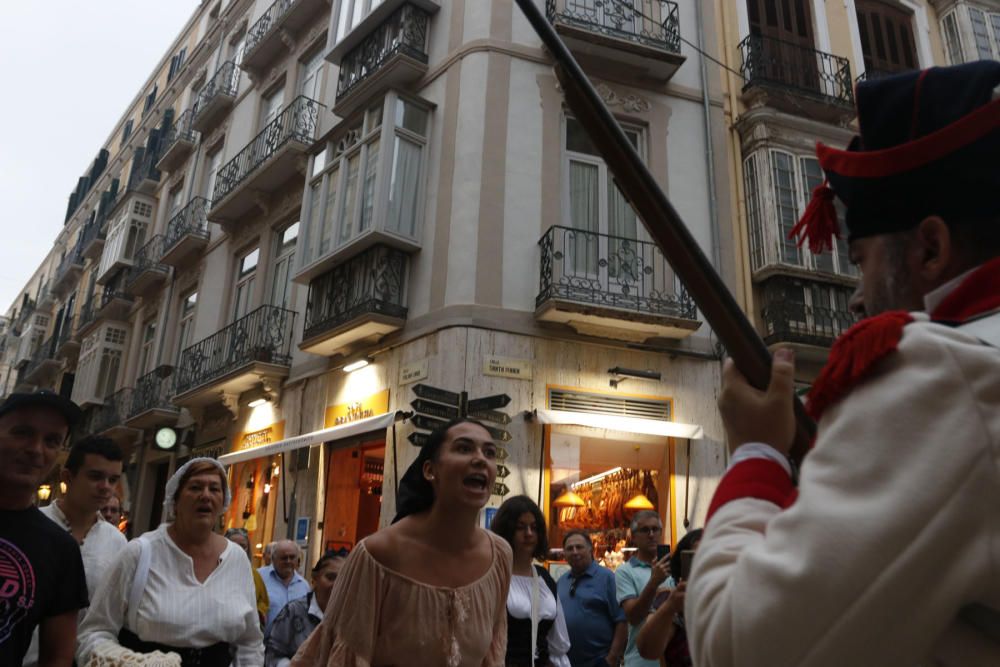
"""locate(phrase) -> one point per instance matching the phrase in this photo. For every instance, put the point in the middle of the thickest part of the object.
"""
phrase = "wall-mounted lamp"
(44, 492)
(631, 372)
(62, 488)
(267, 488)
(257, 402)
(357, 365)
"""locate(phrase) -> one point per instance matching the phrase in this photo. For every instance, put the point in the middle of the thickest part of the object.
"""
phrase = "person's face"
(466, 467)
(887, 275)
(578, 553)
(646, 535)
(93, 485)
(30, 441)
(324, 580)
(200, 499)
(112, 510)
(240, 539)
(285, 560)
(526, 534)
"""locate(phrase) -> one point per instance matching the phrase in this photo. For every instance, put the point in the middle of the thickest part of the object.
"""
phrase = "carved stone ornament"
(262, 201)
(175, 180)
(218, 135)
(231, 402)
(287, 39)
(630, 102)
(272, 77)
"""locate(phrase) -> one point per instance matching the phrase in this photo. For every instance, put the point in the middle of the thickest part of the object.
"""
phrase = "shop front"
(255, 482)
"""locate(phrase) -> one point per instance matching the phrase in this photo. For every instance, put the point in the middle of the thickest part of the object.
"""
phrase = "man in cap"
(42, 582)
(887, 552)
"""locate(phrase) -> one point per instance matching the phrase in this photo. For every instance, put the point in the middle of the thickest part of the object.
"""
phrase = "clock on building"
(166, 438)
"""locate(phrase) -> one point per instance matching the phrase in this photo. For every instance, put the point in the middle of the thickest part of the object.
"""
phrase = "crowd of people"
(816, 574)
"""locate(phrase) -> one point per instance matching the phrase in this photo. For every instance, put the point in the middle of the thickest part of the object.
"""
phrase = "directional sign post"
(502, 471)
(500, 489)
(498, 433)
(439, 395)
(488, 403)
(501, 454)
(491, 416)
(427, 423)
(417, 438)
(426, 407)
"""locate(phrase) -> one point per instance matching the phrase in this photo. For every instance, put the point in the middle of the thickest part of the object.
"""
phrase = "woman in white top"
(536, 627)
(194, 587)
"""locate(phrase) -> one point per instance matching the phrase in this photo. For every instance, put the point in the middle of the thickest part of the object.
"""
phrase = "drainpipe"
(713, 204)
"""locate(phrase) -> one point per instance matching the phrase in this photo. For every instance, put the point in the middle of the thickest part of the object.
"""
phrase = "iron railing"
(404, 32)
(267, 22)
(192, 219)
(297, 122)
(264, 335)
(88, 313)
(875, 74)
(66, 332)
(653, 23)
(147, 258)
(612, 271)
(113, 412)
(796, 68)
(179, 131)
(73, 257)
(44, 352)
(144, 165)
(805, 312)
(153, 391)
(373, 282)
(92, 231)
(225, 81)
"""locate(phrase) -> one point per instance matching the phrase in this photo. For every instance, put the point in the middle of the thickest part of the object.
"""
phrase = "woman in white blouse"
(536, 627)
(180, 589)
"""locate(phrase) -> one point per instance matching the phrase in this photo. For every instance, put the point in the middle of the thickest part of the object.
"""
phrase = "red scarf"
(979, 293)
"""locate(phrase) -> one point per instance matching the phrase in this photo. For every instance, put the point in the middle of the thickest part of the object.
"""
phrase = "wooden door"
(786, 50)
(886, 38)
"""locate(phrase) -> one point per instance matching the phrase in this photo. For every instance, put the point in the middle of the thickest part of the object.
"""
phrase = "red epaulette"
(853, 356)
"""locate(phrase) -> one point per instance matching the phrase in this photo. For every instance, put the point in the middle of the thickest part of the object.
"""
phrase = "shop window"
(354, 493)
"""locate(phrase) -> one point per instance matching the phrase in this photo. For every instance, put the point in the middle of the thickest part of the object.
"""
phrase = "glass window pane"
(576, 139)
(368, 192)
(979, 31)
(411, 117)
(374, 117)
(350, 198)
(249, 261)
(403, 187)
(289, 236)
(329, 212)
(314, 231)
(319, 162)
(584, 200)
(785, 199)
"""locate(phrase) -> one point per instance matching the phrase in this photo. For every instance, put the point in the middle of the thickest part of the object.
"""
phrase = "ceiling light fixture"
(594, 478)
(357, 365)
(568, 499)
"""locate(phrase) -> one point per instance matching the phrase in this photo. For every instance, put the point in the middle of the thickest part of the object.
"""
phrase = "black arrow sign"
(491, 416)
(500, 489)
(502, 471)
(488, 403)
(434, 409)
(417, 438)
(498, 433)
(435, 394)
(427, 423)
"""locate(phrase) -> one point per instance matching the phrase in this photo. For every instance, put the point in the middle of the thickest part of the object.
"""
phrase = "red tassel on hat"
(853, 356)
(819, 222)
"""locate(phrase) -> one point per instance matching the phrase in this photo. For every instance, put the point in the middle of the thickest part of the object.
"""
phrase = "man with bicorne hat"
(888, 552)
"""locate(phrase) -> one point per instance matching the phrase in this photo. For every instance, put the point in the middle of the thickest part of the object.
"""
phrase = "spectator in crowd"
(300, 617)
(639, 578)
(283, 582)
(265, 556)
(180, 589)
(536, 626)
(664, 635)
(91, 472)
(242, 538)
(431, 589)
(111, 511)
(43, 579)
(595, 620)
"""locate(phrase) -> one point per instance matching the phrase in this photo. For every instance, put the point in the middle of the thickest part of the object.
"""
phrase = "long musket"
(664, 224)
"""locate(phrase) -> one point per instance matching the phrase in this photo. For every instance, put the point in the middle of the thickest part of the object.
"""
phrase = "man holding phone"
(638, 580)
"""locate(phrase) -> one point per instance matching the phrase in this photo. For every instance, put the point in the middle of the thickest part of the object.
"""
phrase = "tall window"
(236, 49)
(981, 34)
(284, 260)
(952, 38)
(175, 202)
(212, 164)
(270, 106)
(147, 352)
(246, 276)
(311, 76)
(111, 361)
(886, 37)
(351, 13)
(185, 333)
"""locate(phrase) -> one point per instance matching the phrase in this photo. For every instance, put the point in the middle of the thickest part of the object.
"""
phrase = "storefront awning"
(309, 439)
(624, 424)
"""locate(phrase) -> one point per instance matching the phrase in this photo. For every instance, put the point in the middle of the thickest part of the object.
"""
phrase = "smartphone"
(687, 558)
(662, 550)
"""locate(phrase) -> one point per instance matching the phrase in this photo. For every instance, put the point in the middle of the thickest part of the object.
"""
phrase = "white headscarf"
(174, 482)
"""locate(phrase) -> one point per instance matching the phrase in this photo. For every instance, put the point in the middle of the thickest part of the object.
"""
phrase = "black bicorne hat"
(929, 145)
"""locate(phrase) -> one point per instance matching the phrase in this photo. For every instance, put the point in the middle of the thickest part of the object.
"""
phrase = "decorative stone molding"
(262, 201)
(217, 136)
(629, 102)
(287, 39)
(231, 402)
(175, 180)
(272, 77)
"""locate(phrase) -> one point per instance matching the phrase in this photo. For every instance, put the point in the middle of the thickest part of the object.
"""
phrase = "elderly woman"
(431, 589)
(181, 589)
(241, 537)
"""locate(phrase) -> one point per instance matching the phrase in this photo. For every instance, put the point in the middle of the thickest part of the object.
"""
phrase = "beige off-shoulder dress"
(377, 617)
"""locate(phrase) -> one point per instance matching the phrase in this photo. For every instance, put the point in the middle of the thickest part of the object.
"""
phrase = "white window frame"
(245, 283)
(185, 329)
(350, 13)
(147, 347)
(283, 265)
(311, 75)
(950, 47)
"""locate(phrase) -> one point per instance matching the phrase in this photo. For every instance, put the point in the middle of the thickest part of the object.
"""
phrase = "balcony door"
(269, 111)
(311, 76)
(886, 38)
(246, 278)
(785, 52)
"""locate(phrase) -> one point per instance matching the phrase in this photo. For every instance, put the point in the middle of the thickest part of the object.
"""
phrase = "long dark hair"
(686, 544)
(505, 522)
(416, 493)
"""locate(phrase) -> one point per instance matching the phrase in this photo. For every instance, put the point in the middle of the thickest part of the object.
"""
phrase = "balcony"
(68, 343)
(69, 271)
(92, 238)
(215, 98)
(255, 347)
(358, 301)
(46, 299)
(187, 234)
(611, 287)
(108, 419)
(272, 158)
(111, 304)
(42, 367)
(393, 55)
(177, 143)
(145, 177)
(807, 314)
(146, 272)
(796, 79)
(640, 37)
(151, 405)
(276, 27)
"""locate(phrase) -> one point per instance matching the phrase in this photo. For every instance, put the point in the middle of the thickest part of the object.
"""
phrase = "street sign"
(417, 438)
(488, 403)
(498, 433)
(434, 409)
(501, 453)
(435, 394)
(500, 489)
(491, 416)
(502, 471)
(427, 423)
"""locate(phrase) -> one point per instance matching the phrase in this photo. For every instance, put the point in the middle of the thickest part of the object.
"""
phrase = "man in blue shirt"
(638, 580)
(283, 582)
(595, 621)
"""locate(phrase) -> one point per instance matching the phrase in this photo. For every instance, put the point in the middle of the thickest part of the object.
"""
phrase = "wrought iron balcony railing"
(179, 131)
(153, 391)
(267, 22)
(147, 258)
(297, 122)
(653, 23)
(610, 271)
(225, 81)
(72, 259)
(144, 166)
(192, 219)
(66, 333)
(873, 74)
(264, 335)
(805, 312)
(112, 413)
(373, 282)
(45, 352)
(92, 231)
(796, 68)
(404, 32)
(88, 313)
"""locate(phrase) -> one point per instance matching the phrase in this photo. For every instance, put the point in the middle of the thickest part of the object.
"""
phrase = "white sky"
(68, 70)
